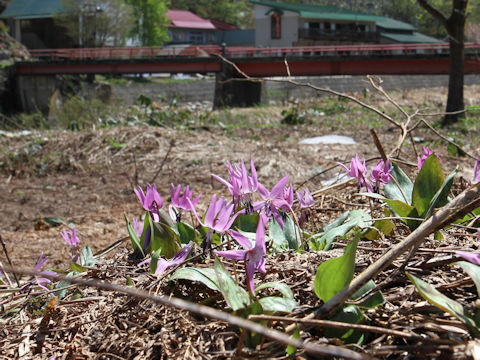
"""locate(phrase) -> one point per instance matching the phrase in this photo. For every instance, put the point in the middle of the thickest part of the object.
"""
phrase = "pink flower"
(358, 169)
(73, 241)
(254, 256)
(305, 200)
(241, 185)
(184, 203)
(70, 237)
(42, 281)
(218, 218)
(177, 259)
(273, 200)
(288, 196)
(151, 200)
(381, 173)
(426, 153)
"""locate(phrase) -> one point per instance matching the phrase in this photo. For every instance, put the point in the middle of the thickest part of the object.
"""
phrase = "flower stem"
(399, 188)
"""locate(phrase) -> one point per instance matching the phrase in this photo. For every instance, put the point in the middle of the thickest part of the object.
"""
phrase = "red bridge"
(263, 62)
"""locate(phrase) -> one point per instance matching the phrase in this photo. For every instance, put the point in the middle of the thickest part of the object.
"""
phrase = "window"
(196, 37)
(275, 26)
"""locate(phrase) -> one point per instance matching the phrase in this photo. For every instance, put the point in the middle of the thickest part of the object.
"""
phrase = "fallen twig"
(310, 348)
(463, 203)
(349, 326)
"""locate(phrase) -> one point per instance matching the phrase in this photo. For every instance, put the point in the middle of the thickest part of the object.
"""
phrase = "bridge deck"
(311, 60)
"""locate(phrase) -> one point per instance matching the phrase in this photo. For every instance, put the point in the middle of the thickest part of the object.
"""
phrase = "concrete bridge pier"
(232, 91)
(34, 92)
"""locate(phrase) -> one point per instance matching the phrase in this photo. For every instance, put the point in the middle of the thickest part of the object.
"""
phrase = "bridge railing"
(110, 53)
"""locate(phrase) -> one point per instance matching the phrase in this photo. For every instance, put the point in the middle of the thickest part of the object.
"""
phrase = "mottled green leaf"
(236, 297)
(286, 238)
(206, 276)
(165, 240)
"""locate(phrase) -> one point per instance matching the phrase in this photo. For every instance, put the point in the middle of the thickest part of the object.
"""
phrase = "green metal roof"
(414, 37)
(318, 11)
(388, 23)
(335, 13)
(31, 9)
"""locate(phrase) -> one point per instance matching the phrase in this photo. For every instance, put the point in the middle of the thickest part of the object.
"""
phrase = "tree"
(455, 27)
(151, 26)
(96, 23)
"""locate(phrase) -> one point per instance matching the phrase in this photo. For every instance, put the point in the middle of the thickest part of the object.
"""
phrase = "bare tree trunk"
(455, 26)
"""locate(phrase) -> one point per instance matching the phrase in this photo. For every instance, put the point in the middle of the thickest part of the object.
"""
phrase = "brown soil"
(83, 179)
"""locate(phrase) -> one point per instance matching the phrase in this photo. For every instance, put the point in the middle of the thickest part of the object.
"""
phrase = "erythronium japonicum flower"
(42, 281)
(183, 203)
(381, 173)
(305, 201)
(241, 185)
(150, 200)
(254, 256)
(358, 169)
(426, 153)
(73, 241)
(218, 218)
(178, 258)
(273, 200)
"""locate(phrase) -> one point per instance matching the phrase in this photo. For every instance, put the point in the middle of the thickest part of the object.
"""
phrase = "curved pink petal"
(242, 240)
(237, 255)
(473, 258)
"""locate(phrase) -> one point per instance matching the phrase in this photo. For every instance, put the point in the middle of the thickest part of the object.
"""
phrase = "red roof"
(187, 19)
(221, 25)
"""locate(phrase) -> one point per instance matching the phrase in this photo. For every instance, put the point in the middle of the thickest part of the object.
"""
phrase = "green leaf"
(77, 268)
(154, 261)
(274, 303)
(441, 196)
(392, 191)
(371, 301)
(206, 276)
(292, 349)
(86, 257)
(356, 218)
(246, 222)
(351, 315)
(288, 238)
(277, 304)
(252, 339)
(384, 226)
(165, 240)
(53, 221)
(61, 284)
(335, 274)
(186, 232)
(473, 271)
(136, 242)
(236, 297)
(435, 297)
(429, 180)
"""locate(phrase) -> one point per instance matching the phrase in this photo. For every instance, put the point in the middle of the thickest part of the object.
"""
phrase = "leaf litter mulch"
(51, 180)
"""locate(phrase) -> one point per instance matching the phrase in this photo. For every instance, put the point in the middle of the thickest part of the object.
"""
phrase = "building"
(288, 24)
(31, 23)
(187, 28)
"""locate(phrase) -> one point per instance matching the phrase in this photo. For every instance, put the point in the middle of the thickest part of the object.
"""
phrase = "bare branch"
(202, 310)
(434, 12)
